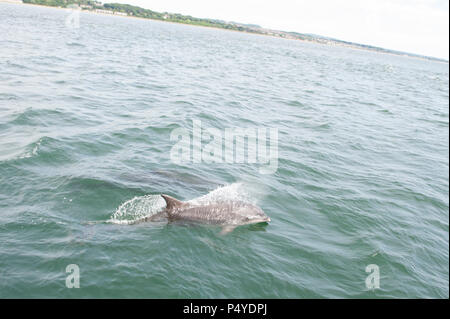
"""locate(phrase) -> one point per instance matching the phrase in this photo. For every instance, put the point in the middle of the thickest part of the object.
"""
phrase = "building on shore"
(110, 12)
(104, 11)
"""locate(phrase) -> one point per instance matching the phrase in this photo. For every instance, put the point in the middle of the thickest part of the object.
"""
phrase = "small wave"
(33, 116)
(16, 65)
(19, 153)
(185, 103)
(323, 126)
(295, 103)
(8, 97)
(33, 149)
(385, 111)
(75, 44)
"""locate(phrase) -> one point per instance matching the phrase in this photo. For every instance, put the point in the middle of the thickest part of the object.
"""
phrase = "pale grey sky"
(416, 26)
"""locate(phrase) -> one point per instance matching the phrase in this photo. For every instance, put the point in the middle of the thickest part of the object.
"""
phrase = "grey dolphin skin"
(228, 214)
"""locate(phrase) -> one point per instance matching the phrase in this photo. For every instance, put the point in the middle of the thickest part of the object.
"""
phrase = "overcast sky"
(417, 26)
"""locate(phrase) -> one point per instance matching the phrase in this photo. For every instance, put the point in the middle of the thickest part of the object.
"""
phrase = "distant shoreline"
(256, 30)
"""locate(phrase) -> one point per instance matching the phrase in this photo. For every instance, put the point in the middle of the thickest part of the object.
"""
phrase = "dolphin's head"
(254, 215)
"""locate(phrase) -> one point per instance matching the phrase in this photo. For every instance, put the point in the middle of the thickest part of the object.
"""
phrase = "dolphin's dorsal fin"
(171, 202)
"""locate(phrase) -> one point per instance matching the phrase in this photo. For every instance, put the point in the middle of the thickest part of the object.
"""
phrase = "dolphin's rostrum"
(228, 214)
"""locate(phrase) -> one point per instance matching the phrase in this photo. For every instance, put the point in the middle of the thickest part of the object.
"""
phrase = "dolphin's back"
(224, 213)
(218, 213)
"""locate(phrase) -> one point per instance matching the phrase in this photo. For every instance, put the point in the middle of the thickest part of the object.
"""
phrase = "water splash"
(232, 192)
(137, 208)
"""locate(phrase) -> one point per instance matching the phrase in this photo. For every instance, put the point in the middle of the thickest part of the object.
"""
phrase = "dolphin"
(228, 214)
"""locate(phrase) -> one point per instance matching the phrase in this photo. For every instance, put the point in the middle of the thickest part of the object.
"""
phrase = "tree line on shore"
(136, 11)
